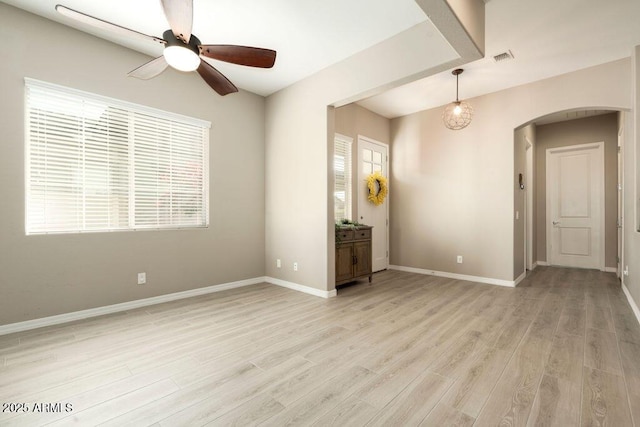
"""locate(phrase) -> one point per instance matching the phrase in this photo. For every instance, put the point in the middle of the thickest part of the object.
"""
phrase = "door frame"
(359, 187)
(600, 146)
(529, 190)
(620, 193)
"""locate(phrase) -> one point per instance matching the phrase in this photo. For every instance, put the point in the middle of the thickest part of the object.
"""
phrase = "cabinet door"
(362, 251)
(344, 262)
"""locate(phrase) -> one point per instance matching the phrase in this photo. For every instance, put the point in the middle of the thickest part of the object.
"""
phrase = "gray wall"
(52, 274)
(300, 129)
(574, 132)
(631, 154)
(453, 191)
(353, 120)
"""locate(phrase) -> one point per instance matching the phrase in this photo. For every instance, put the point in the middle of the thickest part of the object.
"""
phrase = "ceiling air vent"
(504, 56)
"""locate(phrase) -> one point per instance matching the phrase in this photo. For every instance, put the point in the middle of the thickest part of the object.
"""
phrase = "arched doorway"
(534, 229)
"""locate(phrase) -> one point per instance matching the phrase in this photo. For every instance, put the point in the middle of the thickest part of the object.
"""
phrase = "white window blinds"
(98, 164)
(342, 172)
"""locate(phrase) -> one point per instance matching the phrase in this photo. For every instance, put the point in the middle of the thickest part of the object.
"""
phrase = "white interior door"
(575, 206)
(373, 156)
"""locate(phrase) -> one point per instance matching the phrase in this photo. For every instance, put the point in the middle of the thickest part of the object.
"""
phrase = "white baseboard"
(632, 303)
(130, 305)
(533, 266)
(301, 288)
(542, 263)
(487, 280)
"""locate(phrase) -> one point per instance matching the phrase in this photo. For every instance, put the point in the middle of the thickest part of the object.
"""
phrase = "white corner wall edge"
(520, 278)
(478, 279)
(301, 288)
(632, 303)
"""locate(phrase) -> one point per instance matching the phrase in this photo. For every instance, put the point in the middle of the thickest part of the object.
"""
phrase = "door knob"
(556, 222)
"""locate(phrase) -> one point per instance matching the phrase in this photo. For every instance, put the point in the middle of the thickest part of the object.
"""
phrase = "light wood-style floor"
(561, 349)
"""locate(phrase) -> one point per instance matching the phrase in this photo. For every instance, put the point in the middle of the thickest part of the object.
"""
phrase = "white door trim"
(600, 147)
(529, 183)
(620, 194)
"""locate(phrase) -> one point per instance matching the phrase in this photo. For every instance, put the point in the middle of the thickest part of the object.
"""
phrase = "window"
(98, 164)
(342, 172)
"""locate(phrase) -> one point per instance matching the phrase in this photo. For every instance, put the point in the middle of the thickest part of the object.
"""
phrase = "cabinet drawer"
(362, 234)
(344, 235)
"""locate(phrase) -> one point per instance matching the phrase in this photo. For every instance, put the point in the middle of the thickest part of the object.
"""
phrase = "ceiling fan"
(183, 50)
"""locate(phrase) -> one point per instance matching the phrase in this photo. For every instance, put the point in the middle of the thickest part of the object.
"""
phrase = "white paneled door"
(575, 206)
(373, 156)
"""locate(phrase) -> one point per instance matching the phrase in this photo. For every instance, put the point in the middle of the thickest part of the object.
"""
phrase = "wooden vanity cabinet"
(353, 254)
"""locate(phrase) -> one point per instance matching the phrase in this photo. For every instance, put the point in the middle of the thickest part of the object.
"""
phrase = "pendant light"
(458, 114)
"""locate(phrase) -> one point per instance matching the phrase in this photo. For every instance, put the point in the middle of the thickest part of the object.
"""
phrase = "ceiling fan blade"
(215, 79)
(179, 14)
(99, 23)
(242, 55)
(149, 69)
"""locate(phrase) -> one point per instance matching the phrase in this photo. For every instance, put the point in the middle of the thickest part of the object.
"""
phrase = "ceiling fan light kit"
(458, 114)
(179, 55)
(183, 51)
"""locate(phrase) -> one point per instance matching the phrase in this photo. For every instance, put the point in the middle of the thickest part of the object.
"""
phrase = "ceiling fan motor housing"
(172, 40)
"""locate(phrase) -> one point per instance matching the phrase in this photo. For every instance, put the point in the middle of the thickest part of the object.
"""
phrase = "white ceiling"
(309, 35)
(547, 38)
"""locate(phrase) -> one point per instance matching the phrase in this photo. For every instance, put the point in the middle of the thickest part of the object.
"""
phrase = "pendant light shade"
(458, 114)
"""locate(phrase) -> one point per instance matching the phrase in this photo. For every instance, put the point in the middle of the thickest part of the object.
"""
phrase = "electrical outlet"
(295, 266)
(459, 260)
(278, 263)
(142, 278)
(626, 270)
